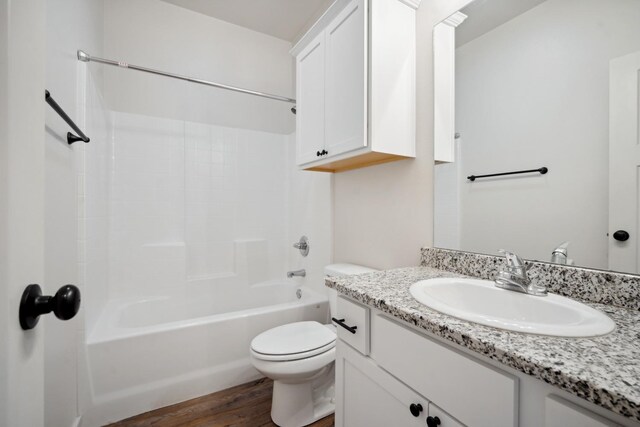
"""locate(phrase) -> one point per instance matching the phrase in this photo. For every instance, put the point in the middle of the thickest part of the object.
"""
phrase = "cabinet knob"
(621, 236)
(415, 409)
(318, 154)
(433, 421)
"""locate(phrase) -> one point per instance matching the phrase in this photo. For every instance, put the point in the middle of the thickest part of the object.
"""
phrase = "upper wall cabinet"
(355, 90)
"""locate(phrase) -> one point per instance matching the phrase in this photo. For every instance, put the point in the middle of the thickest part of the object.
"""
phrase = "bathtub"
(148, 353)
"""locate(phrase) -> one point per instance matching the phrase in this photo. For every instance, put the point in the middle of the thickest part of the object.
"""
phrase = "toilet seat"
(294, 341)
(294, 356)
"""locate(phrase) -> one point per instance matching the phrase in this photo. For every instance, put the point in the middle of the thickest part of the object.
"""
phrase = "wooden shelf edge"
(357, 162)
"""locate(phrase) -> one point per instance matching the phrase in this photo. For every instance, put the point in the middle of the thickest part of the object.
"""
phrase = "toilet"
(299, 358)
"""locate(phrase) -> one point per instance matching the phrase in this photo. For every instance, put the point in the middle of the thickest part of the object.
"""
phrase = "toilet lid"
(299, 337)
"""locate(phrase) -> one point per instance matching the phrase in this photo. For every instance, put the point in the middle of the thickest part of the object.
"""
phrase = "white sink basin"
(480, 301)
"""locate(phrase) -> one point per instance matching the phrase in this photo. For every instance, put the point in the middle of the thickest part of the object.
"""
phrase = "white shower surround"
(150, 352)
(182, 193)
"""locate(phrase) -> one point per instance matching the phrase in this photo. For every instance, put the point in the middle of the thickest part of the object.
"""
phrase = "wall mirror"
(543, 84)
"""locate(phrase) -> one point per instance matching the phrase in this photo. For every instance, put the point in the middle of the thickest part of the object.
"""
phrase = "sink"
(480, 301)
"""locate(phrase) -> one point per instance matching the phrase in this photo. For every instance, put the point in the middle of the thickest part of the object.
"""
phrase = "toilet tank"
(342, 269)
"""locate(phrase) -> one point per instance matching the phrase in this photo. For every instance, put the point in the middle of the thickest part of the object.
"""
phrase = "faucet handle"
(302, 245)
(514, 261)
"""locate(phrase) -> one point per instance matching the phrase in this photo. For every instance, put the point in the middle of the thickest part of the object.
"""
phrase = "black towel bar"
(542, 171)
(71, 138)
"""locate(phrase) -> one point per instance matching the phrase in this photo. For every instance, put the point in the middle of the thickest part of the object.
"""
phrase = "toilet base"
(297, 405)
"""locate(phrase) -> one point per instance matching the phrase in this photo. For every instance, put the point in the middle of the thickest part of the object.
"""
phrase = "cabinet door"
(437, 417)
(310, 100)
(346, 80)
(367, 396)
(562, 413)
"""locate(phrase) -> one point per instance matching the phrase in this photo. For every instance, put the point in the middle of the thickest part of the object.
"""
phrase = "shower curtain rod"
(85, 57)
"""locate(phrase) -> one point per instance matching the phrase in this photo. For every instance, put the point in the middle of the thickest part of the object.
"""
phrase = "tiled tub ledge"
(603, 370)
(584, 284)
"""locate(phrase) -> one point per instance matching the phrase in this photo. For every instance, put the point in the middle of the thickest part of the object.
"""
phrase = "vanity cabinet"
(355, 86)
(391, 374)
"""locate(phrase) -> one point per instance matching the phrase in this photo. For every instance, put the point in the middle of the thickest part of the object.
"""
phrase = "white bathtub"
(153, 352)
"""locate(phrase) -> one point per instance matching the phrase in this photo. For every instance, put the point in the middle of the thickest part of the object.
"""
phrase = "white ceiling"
(284, 19)
(485, 15)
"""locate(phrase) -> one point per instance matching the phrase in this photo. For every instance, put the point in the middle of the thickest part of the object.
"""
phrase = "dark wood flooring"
(246, 405)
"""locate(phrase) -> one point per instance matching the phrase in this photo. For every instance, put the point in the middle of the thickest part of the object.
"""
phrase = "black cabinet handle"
(340, 322)
(318, 154)
(324, 152)
(415, 409)
(433, 421)
(621, 236)
(64, 304)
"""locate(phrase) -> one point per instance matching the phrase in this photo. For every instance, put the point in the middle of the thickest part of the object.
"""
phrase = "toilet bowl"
(299, 357)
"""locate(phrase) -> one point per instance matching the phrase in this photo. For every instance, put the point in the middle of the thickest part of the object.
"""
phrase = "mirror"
(545, 84)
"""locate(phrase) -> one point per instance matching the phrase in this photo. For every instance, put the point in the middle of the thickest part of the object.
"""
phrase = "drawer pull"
(433, 421)
(415, 409)
(340, 322)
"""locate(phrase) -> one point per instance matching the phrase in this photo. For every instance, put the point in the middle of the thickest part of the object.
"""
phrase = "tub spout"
(300, 273)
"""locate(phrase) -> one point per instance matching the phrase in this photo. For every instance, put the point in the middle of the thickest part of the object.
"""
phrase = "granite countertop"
(604, 370)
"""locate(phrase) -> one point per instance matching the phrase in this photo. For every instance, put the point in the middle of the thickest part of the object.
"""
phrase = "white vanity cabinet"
(390, 374)
(355, 86)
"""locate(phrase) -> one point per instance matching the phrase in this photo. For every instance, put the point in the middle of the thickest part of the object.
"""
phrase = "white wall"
(70, 25)
(160, 35)
(534, 92)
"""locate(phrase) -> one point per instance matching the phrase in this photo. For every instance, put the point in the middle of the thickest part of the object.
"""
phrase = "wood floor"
(245, 405)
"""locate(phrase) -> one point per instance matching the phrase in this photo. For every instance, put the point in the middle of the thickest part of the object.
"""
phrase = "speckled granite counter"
(604, 370)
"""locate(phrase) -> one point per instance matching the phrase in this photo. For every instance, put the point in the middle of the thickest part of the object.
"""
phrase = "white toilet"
(299, 357)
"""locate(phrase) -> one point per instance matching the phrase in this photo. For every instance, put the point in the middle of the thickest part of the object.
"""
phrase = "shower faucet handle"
(297, 273)
(302, 245)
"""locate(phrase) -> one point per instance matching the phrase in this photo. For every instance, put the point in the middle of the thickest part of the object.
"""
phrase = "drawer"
(474, 393)
(353, 324)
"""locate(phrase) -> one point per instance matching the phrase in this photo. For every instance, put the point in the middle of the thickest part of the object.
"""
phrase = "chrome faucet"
(299, 273)
(515, 278)
(559, 254)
